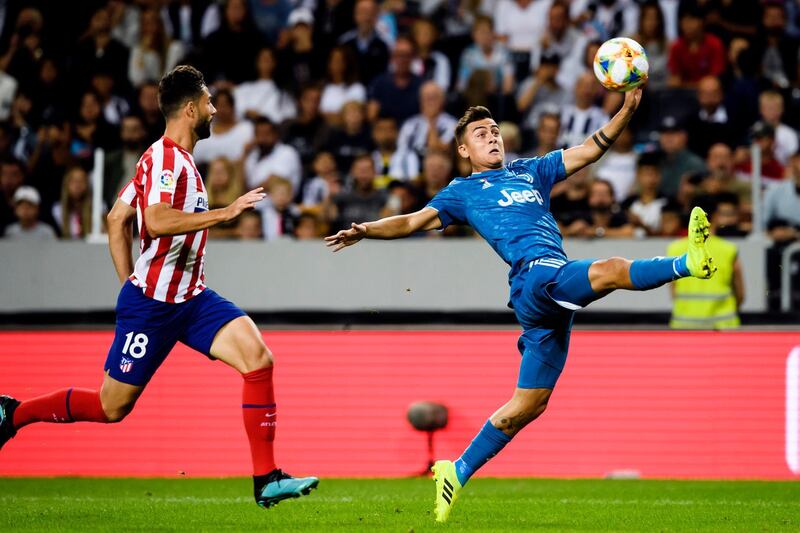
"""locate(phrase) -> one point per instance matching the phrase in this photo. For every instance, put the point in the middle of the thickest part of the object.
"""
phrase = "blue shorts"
(545, 297)
(147, 330)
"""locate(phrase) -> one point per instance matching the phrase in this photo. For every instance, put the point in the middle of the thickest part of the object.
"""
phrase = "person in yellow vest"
(711, 303)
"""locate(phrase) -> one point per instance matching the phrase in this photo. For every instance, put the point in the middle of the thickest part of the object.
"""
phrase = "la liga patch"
(166, 181)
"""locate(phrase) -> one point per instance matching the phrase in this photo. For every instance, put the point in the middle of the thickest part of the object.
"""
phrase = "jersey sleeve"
(128, 194)
(160, 176)
(549, 168)
(450, 206)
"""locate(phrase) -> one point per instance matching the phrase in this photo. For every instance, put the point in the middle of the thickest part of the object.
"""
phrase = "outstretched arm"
(162, 219)
(386, 228)
(594, 147)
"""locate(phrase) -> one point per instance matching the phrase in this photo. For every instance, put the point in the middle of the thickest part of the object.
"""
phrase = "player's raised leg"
(240, 345)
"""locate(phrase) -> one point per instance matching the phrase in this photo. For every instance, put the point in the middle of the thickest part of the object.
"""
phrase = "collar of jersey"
(486, 174)
(170, 142)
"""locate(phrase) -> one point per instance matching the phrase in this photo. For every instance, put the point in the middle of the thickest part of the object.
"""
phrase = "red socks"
(258, 409)
(62, 406)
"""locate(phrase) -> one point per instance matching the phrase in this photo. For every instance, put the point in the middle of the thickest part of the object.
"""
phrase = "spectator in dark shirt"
(361, 201)
(308, 133)
(120, 165)
(711, 124)
(677, 159)
(605, 218)
(300, 62)
(354, 138)
(771, 169)
(371, 52)
(12, 176)
(147, 108)
(230, 52)
(695, 53)
(90, 129)
(777, 51)
(396, 93)
(98, 51)
(270, 17)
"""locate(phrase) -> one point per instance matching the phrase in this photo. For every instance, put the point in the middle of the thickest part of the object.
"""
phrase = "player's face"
(483, 145)
(203, 115)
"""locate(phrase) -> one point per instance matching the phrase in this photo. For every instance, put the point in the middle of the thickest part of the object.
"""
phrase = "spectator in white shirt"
(560, 38)
(268, 157)
(279, 215)
(432, 129)
(618, 165)
(521, 23)
(486, 54)
(28, 227)
(581, 119)
(263, 97)
(155, 52)
(325, 183)
(429, 64)
(770, 106)
(342, 84)
(229, 136)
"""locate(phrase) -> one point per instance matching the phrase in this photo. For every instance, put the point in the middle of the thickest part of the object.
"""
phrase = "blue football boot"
(281, 486)
(7, 407)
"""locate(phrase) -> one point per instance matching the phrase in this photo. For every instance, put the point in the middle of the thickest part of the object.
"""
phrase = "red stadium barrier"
(663, 404)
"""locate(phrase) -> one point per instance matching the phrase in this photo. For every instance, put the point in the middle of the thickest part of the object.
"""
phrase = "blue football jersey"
(509, 207)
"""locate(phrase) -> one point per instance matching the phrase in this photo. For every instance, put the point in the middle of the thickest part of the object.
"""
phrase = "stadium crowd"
(344, 110)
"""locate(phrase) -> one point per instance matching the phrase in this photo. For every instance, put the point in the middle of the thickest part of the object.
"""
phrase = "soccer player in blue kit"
(509, 206)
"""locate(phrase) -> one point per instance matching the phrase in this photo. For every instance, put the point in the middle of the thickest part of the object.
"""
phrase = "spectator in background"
(606, 18)
(23, 136)
(728, 19)
(644, 208)
(155, 52)
(548, 131)
(581, 118)
(229, 136)
(308, 133)
(147, 108)
(430, 64)
(711, 124)
(560, 38)
(183, 20)
(540, 92)
(98, 50)
(721, 172)
(268, 157)
(263, 96)
(651, 35)
(432, 129)
(361, 200)
(742, 83)
(332, 18)
(50, 160)
(403, 198)
(672, 224)
(726, 210)
(715, 303)
(91, 130)
(230, 51)
(569, 200)
(12, 176)
(279, 214)
(270, 17)
(486, 54)
(325, 183)
(73, 213)
(248, 227)
(782, 206)
(26, 209)
(676, 159)
(224, 183)
(21, 60)
(605, 218)
(50, 94)
(114, 106)
(519, 24)
(618, 166)
(695, 53)
(396, 93)
(771, 169)
(300, 62)
(770, 106)
(512, 139)
(777, 51)
(354, 138)
(437, 172)
(125, 21)
(309, 227)
(341, 85)
(384, 137)
(120, 164)
(371, 51)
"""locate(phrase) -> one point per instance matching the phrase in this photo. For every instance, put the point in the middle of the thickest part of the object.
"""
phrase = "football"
(621, 64)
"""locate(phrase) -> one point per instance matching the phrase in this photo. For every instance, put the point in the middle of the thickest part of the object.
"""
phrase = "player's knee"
(117, 411)
(611, 273)
(256, 356)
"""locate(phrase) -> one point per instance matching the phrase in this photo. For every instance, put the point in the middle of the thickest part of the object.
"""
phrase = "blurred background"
(344, 111)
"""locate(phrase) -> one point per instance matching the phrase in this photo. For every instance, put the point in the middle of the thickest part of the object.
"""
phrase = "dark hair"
(225, 93)
(261, 120)
(473, 114)
(649, 159)
(606, 183)
(350, 74)
(182, 84)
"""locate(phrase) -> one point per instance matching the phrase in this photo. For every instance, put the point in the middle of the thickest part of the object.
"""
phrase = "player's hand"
(245, 202)
(632, 99)
(346, 237)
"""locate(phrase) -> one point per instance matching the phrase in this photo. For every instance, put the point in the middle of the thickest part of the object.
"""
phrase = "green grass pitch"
(67, 504)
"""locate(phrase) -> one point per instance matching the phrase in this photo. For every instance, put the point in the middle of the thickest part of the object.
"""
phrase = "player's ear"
(462, 151)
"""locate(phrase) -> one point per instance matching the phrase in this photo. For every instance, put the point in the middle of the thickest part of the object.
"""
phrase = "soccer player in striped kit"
(164, 298)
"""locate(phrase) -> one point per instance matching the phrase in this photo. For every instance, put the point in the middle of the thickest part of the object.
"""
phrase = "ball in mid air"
(621, 64)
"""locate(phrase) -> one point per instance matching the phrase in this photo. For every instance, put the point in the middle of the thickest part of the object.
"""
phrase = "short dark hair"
(473, 114)
(182, 84)
(261, 120)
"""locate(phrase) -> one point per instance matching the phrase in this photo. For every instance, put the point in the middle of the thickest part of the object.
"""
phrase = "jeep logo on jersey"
(520, 197)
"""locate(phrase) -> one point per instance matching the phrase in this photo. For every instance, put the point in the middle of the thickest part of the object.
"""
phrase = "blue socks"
(486, 444)
(651, 273)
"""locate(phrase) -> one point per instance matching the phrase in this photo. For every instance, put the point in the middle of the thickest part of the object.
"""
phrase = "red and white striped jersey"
(169, 269)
